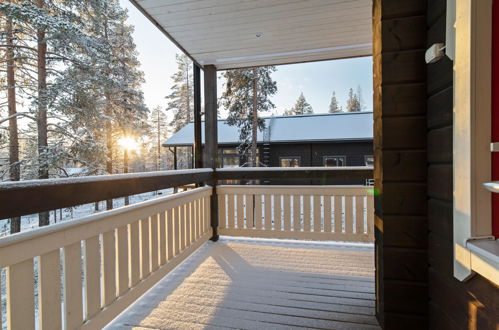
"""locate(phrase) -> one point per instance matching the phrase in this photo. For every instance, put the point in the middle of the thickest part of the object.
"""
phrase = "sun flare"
(128, 143)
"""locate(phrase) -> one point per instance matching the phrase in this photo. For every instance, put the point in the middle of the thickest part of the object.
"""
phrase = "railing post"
(198, 147)
(211, 138)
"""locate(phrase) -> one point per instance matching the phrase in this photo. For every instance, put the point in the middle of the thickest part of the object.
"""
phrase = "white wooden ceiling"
(244, 33)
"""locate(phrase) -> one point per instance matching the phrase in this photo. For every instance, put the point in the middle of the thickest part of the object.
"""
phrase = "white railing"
(341, 213)
(82, 274)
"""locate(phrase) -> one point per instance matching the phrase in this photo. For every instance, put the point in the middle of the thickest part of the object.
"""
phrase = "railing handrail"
(297, 189)
(111, 217)
(32, 196)
(286, 173)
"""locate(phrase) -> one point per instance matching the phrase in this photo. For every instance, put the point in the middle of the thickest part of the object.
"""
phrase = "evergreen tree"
(56, 39)
(333, 106)
(301, 107)
(180, 98)
(247, 92)
(353, 103)
(158, 123)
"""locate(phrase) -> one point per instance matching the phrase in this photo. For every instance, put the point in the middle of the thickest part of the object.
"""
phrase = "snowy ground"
(30, 222)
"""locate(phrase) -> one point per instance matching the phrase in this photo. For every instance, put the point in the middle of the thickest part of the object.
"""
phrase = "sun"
(128, 143)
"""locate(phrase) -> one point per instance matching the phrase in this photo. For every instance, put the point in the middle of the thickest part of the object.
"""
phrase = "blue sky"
(316, 80)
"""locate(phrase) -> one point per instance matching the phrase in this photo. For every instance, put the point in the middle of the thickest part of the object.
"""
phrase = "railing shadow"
(246, 283)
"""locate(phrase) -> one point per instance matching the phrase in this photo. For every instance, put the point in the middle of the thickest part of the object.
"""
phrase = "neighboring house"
(339, 139)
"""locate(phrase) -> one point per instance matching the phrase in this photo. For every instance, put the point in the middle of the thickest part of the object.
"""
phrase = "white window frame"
(475, 249)
(335, 156)
(290, 157)
(365, 159)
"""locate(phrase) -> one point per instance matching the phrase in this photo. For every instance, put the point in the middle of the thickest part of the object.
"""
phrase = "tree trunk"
(109, 132)
(43, 170)
(109, 156)
(14, 166)
(254, 123)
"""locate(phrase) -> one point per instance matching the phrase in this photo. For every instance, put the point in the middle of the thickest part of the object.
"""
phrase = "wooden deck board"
(258, 284)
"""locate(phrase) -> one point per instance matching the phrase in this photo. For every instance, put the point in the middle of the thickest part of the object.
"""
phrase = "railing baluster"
(359, 214)
(296, 213)
(182, 218)
(258, 212)
(268, 212)
(277, 212)
(194, 212)
(250, 219)
(92, 277)
(190, 232)
(327, 214)
(177, 231)
(306, 213)
(170, 230)
(154, 242)
(20, 296)
(240, 211)
(231, 212)
(187, 222)
(287, 212)
(109, 267)
(348, 214)
(49, 295)
(122, 267)
(200, 217)
(72, 286)
(207, 208)
(317, 214)
(145, 247)
(134, 250)
(338, 214)
(162, 238)
(222, 211)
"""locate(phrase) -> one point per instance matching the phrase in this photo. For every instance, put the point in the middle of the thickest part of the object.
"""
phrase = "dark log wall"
(453, 304)
(312, 154)
(400, 173)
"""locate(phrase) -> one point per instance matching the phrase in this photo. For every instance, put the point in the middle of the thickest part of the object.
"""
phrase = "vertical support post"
(198, 146)
(175, 166)
(211, 138)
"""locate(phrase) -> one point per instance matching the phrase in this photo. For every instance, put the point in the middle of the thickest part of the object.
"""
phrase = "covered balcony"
(427, 214)
(299, 265)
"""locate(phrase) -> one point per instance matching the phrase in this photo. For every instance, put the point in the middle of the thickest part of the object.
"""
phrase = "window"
(475, 249)
(334, 161)
(230, 158)
(290, 161)
(369, 160)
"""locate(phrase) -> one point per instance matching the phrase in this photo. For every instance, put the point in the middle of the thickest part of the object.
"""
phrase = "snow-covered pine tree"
(180, 100)
(56, 39)
(247, 92)
(353, 103)
(334, 107)
(301, 107)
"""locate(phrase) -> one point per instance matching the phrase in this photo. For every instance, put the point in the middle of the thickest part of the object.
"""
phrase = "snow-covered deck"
(262, 284)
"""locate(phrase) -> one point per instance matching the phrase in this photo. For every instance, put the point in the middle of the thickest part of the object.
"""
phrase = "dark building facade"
(343, 139)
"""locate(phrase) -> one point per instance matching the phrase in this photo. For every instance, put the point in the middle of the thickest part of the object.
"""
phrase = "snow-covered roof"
(348, 126)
